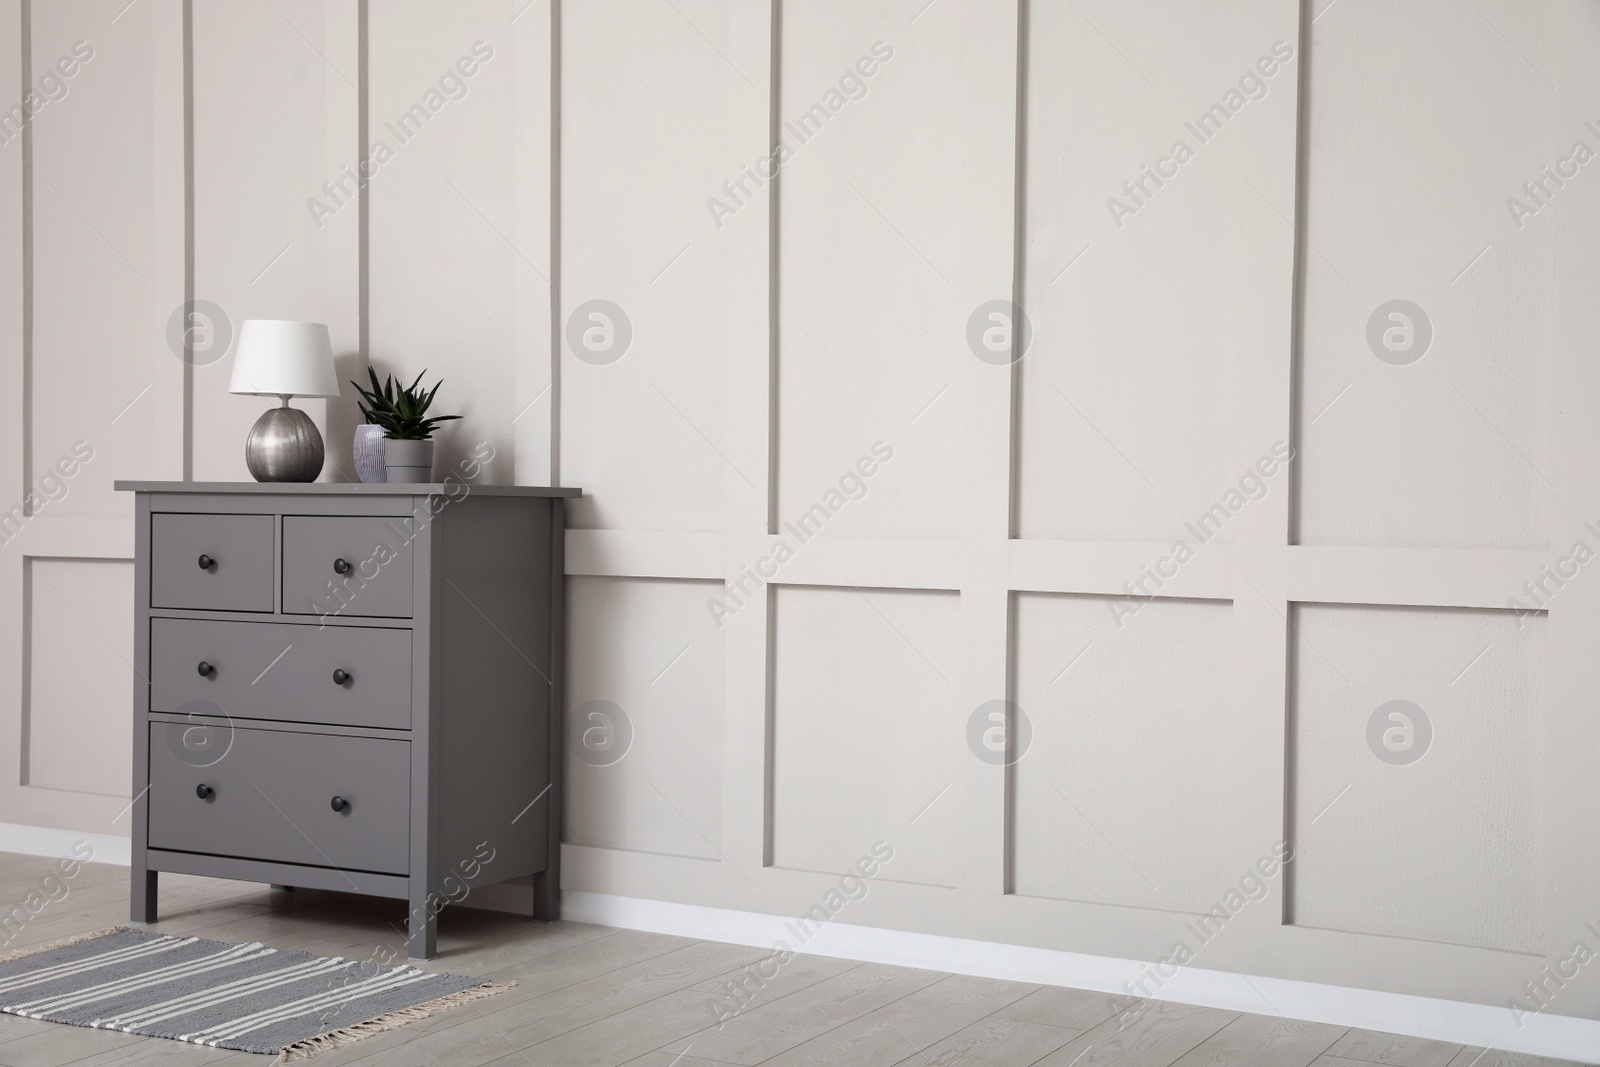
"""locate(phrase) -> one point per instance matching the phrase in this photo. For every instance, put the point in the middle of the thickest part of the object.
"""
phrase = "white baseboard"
(41, 841)
(1559, 1036)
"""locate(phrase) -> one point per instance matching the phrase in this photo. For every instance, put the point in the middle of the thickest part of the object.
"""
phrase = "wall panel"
(442, 248)
(1427, 825)
(867, 737)
(644, 718)
(92, 198)
(1123, 794)
(888, 239)
(79, 674)
(1413, 170)
(259, 104)
(85, 377)
(1146, 223)
(647, 142)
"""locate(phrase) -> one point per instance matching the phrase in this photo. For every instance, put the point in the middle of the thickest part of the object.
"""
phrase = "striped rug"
(245, 997)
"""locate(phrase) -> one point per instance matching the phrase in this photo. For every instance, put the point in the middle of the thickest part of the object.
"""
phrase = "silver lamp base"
(284, 446)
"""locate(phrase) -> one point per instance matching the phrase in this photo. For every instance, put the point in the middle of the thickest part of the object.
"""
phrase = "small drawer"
(282, 671)
(346, 565)
(211, 562)
(269, 795)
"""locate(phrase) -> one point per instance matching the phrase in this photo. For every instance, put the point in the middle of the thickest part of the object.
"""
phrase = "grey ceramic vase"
(284, 446)
(408, 461)
(368, 450)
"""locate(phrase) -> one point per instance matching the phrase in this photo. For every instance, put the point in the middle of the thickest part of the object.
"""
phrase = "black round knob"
(339, 804)
(204, 792)
(341, 566)
(206, 670)
(206, 562)
(341, 676)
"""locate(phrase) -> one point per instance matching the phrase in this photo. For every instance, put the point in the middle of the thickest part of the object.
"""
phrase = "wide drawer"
(346, 565)
(269, 796)
(282, 671)
(212, 562)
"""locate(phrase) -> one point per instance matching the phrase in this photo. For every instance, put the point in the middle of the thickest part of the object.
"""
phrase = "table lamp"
(277, 357)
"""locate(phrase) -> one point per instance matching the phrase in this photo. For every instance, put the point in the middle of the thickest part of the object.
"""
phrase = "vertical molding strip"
(14, 228)
(172, 236)
(363, 197)
(186, 65)
(1291, 531)
(1302, 152)
(26, 146)
(769, 665)
(1572, 731)
(25, 674)
(753, 45)
(13, 430)
(1019, 266)
(774, 206)
(535, 163)
(1019, 263)
(988, 395)
(555, 242)
(344, 255)
(1261, 649)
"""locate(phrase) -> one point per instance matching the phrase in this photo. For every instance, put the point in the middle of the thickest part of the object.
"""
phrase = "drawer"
(378, 553)
(238, 548)
(271, 798)
(283, 671)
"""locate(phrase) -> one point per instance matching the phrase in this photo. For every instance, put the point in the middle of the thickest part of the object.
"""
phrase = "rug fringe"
(312, 1046)
(33, 950)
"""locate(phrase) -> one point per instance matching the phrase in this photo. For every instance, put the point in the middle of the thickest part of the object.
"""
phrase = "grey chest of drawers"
(349, 687)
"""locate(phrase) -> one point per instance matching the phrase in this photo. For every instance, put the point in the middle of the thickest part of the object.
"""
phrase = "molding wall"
(802, 651)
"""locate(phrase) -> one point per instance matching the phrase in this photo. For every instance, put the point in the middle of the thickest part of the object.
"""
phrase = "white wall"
(799, 347)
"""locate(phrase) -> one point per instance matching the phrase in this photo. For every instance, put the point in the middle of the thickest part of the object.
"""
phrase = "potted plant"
(407, 428)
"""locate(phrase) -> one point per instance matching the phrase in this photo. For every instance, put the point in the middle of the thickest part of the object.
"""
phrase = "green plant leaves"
(400, 410)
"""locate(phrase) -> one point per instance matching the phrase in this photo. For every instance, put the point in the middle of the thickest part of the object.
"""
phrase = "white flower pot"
(368, 449)
(408, 461)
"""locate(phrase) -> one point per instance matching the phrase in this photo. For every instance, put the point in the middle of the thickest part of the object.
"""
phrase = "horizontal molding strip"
(1100, 568)
(1431, 577)
(644, 554)
(868, 562)
(46, 534)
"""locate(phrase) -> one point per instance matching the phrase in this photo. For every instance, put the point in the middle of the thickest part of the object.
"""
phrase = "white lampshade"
(277, 357)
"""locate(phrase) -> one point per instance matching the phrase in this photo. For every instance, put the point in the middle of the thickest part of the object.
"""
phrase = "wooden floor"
(598, 997)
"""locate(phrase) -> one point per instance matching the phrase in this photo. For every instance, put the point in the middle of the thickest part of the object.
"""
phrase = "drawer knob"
(341, 676)
(341, 566)
(339, 804)
(204, 792)
(206, 670)
(206, 562)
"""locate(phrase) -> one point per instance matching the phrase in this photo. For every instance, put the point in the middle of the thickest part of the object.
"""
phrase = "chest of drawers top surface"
(346, 489)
